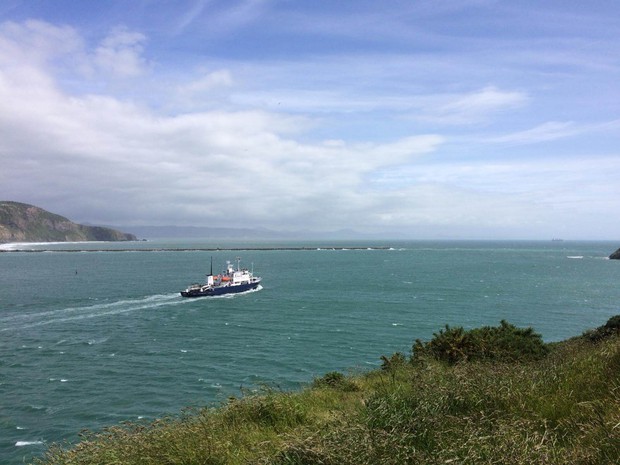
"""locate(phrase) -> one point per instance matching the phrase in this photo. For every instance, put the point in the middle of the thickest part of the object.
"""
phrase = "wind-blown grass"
(560, 408)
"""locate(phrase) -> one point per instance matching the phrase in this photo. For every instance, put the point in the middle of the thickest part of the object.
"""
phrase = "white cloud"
(189, 16)
(218, 18)
(554, 130)
(548, 131)
(113, 158)
(120, 54)
(208, 82)
(36, 43)
(240, 147)
(473, 107)
(61, 51)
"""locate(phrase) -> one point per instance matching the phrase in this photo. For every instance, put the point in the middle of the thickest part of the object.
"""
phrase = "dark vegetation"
(492, 395)
(20, 222)
(503, 343)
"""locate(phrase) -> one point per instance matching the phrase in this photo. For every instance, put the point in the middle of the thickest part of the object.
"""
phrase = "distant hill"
(20, 222)
(242, 234)
(190, 232)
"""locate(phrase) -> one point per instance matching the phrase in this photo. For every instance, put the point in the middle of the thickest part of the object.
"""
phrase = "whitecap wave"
(27, 443)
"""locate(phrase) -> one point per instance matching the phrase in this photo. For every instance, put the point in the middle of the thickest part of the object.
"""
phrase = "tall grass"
(559, 409)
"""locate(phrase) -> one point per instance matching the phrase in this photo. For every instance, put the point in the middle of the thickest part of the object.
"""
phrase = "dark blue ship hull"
(221, 290)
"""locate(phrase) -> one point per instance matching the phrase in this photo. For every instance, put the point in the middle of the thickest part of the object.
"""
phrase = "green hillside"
(494, 395)
(20, 222)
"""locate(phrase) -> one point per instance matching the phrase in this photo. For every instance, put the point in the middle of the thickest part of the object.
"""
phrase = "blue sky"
(421, 119)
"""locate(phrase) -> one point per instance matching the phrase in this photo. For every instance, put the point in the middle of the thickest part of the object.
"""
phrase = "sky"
(421, 119)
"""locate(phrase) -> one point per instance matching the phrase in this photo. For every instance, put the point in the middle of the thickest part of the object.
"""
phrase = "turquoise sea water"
(92, 338)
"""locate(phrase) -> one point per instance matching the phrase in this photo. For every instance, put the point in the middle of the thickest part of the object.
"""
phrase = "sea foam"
(31, 320)
(27, 443)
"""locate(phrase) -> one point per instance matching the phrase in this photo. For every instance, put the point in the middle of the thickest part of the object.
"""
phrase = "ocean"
(95, 334)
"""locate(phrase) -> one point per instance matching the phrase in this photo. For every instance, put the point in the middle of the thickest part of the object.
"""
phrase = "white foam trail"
(23, 321)
(27, 443)
(31, 320)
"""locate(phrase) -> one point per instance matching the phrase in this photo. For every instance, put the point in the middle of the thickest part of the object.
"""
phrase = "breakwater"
(200, 249)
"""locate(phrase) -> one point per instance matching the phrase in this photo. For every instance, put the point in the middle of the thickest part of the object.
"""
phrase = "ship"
(230, 281)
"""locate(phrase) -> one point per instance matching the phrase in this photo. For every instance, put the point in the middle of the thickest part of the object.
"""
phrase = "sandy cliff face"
(20, 222)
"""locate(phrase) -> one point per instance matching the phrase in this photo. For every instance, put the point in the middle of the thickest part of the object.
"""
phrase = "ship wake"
(82, 312)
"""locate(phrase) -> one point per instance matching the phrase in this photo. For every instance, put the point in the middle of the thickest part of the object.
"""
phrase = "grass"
(557, 407)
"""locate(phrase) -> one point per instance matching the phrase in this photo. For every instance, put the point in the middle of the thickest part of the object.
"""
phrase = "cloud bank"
(101, 131)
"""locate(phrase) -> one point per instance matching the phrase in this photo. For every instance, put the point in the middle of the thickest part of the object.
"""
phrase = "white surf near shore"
(10, 246)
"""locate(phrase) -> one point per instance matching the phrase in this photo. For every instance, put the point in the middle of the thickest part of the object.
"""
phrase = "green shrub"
(277, 410)
(502, 343)
(451, 345)
(335, 380)
(613, 323)
(393, 363)
(611, 328)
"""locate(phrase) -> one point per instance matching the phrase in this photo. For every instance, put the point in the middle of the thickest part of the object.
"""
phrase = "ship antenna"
(211, 265)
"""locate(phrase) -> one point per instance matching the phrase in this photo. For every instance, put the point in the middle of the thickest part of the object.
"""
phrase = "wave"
(30, 320)
(62, 315)
(28, 443)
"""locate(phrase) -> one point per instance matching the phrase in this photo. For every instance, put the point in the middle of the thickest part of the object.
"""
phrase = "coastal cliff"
(615, 255)
(20, 222)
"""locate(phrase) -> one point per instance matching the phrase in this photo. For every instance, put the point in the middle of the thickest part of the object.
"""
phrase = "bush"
(611, 328)
(335, 380)
(278, 410)
(503, 343)
(394, 362)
